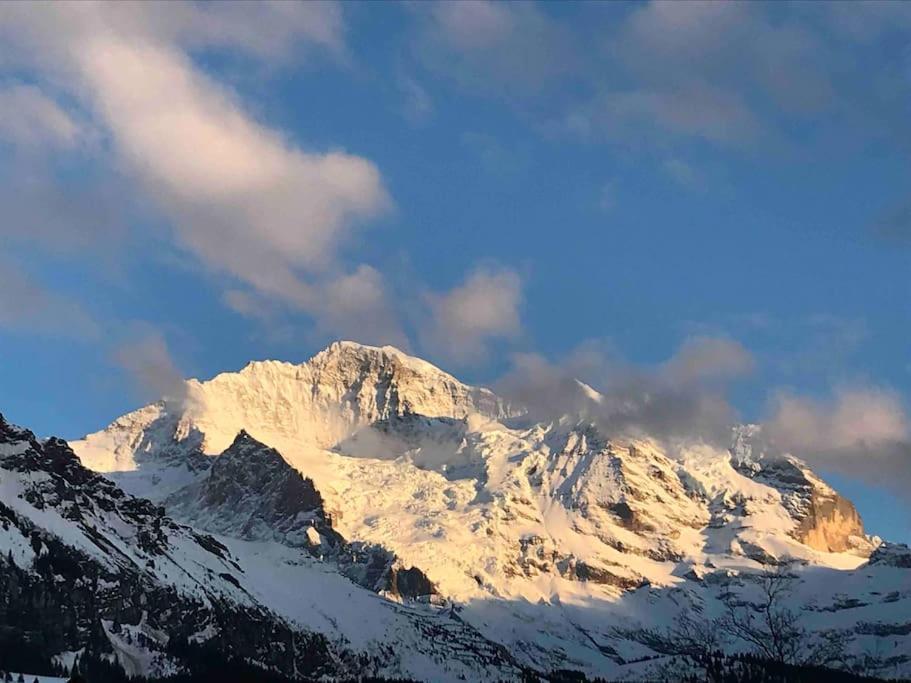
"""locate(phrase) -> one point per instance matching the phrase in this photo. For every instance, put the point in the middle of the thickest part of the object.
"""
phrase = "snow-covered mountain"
(86, 567)
(550, 541)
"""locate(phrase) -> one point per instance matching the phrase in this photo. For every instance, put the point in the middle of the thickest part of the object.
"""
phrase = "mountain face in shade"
(250, 492)
(553, 540)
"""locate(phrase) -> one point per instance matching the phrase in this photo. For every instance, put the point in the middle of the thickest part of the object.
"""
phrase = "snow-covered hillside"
(84, 565)
(553, 539)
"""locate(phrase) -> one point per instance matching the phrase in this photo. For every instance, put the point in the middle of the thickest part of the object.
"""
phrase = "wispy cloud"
(30, 119)
(682, 399)
(465, 320)
(494, 47)
(861, 431)
(856, 418)
(246, 201)
(28, 306)
(418, 104)
(146, 359)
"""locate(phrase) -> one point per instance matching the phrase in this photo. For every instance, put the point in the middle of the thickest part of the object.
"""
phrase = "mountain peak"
(242, 437)
(383, 355)
(351, 351)
(345, 387)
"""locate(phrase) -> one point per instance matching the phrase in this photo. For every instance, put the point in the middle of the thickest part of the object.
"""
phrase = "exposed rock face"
(410, 583)
(106, 563)
(250, 492)
(602, 575)
(830, 524)
(892, 555)
(824, 520)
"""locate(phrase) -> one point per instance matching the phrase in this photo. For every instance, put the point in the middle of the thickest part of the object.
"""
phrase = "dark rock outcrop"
(81, 581)
(892, 555)
(252, 493)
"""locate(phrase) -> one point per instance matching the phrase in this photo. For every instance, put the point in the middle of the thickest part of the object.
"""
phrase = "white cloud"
(708, 359)
(652, 72)
(682, 399)
(269, 29)
(713, 70)
(30, 119)
(861, 432)
(357, 306)
(865, 418)
(495, 46)
(482, 309)
(700, 110)
(241, 197)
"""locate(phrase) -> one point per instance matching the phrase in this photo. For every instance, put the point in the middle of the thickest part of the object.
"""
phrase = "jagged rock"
(602, 575)
(824, 520)
(892, 555)
(64, 587)
(831, 523)
(250, 492)
(410, 583)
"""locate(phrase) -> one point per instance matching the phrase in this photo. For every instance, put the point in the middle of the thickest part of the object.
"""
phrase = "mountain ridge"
(511, 520)
(88, 568)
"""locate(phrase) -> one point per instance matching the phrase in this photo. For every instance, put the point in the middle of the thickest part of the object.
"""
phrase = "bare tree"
(773, 630)
(768, 626)
(694, 644)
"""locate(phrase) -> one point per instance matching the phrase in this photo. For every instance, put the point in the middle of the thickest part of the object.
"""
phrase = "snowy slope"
(553, 539)
(133, 582)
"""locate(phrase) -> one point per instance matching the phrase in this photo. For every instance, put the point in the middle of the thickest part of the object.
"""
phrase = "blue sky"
(189, 187)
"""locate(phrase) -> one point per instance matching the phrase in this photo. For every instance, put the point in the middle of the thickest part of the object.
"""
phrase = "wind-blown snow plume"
(148, 362)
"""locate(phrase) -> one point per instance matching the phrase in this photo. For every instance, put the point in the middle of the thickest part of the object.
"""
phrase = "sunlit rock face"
(824, 520)
(831, 524)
